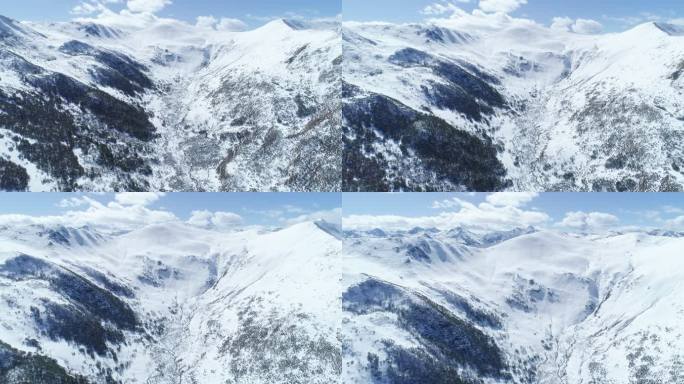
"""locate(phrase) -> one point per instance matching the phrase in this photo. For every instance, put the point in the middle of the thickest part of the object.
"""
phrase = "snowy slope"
(545, 109)
(540, 307)
(171, 303)
(170, 106)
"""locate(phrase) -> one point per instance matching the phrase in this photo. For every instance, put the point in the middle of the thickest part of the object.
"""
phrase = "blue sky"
(614, 210)
(270, 209)
(615, 15)
(252, 12)
(567, 211)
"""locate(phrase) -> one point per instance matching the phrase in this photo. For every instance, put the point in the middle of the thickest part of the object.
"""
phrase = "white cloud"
(562, 23)
(503, 6)
(108, 217)
(137, 198)
(217, 220)
(141, 14)
(291, 214)
(454, 202)
(230, 24)
(281, 213)
(640, 18)
(485, 216)
(226, 219)
(485, 6)
(130, 211)
(270, 213)
(206, 21)
(481, 20)
(72, 202)
(587, 26)
(651, 214)
(224, 24)
(672, 209)
(88, 8)
(309, 16)
(442, 8)
(582, 26)
(293, 209)
(592, 221)
(135, 13)
(498, 199)
(494, 15)
(147, 6)
(624, 20)
(513, 199)
(677, 223)
(331, 216)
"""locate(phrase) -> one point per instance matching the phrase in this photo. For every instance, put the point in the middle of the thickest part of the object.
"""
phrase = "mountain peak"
(287, 25)
(98, 30)
(333, 229)
(657, 28)
(9, 27)
(6, 20)
(278, 25)
(295, 24)
(322, 24)
(670, 29)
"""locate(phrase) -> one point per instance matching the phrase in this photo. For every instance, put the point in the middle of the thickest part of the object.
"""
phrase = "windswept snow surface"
(172, 303)
(531, 307)
(171, 106)
(548, 110)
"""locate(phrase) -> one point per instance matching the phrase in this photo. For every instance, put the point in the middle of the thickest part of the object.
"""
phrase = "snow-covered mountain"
(169, 106)
(526, 306)
(170, 303)
(512, 105)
